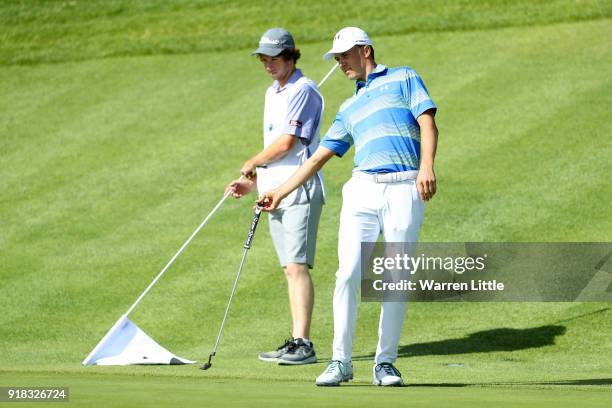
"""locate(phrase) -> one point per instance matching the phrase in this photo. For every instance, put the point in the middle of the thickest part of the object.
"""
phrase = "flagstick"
(331, 71)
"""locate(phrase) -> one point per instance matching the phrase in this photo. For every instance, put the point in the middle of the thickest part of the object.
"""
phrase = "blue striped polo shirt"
(380, 120)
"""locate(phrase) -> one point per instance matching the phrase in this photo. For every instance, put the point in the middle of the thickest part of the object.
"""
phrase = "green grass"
(52, 31)
(143, 391)
(109, 159)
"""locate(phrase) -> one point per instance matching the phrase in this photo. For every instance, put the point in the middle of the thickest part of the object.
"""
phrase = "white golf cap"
(346, 39)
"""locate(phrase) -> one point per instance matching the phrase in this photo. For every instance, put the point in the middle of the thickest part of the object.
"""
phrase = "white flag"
(125, 344)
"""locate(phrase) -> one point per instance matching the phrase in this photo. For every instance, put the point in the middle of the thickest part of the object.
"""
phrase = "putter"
(247, 246)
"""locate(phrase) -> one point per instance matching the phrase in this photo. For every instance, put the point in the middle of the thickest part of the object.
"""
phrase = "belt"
(387, 177)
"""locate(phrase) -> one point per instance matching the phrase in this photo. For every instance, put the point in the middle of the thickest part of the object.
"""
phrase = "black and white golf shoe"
(386, 374)
(273, 356)
(298, 352)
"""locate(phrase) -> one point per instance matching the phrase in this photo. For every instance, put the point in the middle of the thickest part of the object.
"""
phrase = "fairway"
(115, 144)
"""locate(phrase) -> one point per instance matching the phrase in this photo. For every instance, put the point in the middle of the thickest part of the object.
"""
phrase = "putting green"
(143, 391)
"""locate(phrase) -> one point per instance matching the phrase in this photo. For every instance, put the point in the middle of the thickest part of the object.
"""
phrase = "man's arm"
(271, 199)
(426, 180)
(277, 150)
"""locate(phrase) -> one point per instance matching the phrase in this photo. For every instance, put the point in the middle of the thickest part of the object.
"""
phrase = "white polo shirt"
(294, 109)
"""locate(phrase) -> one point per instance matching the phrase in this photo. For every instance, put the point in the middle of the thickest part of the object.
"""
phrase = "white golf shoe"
(335, 373)
(386, 374)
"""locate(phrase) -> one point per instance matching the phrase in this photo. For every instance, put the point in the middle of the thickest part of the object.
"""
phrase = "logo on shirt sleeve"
(295, 123)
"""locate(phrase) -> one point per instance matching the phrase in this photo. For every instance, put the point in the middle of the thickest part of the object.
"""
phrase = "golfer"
(390, 121)
(292, 118)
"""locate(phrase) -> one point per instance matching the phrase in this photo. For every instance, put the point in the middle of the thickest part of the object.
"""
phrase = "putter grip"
(249, 240)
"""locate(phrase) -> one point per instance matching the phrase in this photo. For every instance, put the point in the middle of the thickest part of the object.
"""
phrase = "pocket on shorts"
(305, 192)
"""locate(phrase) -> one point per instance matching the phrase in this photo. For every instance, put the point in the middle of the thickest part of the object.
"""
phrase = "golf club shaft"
(328, 75)
(247, 246)
(244, 254)
(143, 294)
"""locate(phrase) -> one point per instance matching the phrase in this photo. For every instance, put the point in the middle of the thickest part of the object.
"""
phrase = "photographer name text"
(431, 285)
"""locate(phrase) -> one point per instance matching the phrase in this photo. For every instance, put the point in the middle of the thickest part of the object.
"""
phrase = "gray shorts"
(294, 228)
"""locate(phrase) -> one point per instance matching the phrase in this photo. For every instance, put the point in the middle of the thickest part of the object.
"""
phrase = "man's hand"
(270, 200)
(426, 180)
(248, 169)
(240, 187)
(426, 183)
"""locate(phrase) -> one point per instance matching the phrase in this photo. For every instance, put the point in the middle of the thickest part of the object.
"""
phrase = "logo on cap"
(268, 40)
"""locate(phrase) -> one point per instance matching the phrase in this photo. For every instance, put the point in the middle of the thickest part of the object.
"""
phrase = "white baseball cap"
(346, 39)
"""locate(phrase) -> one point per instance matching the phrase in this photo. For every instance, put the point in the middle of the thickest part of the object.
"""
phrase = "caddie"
(292, 118)
(390, 121)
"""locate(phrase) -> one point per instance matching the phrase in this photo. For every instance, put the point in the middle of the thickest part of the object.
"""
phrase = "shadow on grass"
(596, 312)
(502, 339)
(590, 381)
(485, 341)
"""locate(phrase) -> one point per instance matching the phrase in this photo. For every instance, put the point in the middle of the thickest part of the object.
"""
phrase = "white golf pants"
(368, 210)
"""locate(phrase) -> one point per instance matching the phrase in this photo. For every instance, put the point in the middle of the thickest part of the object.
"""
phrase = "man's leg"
(402, 219)
(358, 223)
(293, 230)
(301, 298)
(275, 222)
(300, 224)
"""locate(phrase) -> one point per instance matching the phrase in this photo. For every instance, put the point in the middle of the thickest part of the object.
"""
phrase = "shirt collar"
(297, 74)
(380, 70)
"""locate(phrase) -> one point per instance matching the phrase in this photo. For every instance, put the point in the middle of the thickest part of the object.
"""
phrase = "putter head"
(208, 364)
